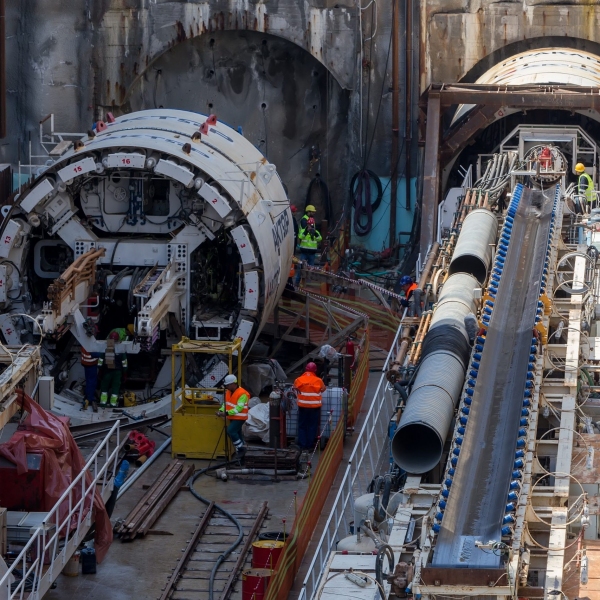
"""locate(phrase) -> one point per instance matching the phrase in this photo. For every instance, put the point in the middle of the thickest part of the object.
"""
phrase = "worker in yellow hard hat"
(585, 184)
(308, 239)
(309, 211)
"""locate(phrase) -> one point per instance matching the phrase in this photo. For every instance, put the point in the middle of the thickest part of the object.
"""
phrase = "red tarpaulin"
(45, 433)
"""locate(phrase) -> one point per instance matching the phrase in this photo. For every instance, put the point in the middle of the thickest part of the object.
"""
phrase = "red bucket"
(254, 583)
(265, 554)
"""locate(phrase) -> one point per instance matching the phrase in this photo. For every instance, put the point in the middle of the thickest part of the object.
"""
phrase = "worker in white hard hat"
(585, 184)
(236, 411)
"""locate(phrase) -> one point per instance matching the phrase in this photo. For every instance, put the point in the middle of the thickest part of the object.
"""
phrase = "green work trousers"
(112, 381)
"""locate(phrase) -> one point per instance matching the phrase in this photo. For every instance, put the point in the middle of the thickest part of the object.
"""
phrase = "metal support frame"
(65, 525)
(431, 174)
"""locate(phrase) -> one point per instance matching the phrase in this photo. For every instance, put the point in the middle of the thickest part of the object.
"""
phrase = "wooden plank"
(165, 499)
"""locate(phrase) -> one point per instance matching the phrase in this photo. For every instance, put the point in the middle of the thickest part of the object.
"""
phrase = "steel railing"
(362, 467)
(66, 524)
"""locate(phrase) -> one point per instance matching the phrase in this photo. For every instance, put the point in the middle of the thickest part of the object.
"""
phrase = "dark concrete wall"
(322, 88)
(464, 38)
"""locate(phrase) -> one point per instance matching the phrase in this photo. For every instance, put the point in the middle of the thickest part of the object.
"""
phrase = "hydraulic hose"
(240, 537)
(363, 208)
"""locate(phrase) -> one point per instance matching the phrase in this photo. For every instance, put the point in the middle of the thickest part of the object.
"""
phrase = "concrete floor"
(140, 569)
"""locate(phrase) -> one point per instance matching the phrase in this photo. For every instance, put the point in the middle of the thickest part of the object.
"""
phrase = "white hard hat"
(230, 379)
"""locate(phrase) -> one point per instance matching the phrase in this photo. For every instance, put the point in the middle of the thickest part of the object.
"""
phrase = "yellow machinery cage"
(196, 429)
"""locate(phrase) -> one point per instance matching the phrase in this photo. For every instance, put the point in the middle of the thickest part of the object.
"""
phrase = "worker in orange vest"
(236, 410)
(309, 388)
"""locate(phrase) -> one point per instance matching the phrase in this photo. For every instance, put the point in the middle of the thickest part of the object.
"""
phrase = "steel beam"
(518, 96)
(431, 174)
(461, 135)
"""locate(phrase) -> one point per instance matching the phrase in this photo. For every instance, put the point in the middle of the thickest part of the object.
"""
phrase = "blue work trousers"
(91, 383)
(308, 427)
(234, 431)
(308, 258)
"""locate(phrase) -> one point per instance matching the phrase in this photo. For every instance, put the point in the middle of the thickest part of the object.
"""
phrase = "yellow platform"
(198, 432)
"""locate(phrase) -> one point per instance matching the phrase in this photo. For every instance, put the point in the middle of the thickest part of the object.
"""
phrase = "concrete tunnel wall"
(90, 56)
(464, 38)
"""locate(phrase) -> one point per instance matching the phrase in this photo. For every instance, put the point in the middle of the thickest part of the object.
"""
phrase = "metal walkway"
(480, 486)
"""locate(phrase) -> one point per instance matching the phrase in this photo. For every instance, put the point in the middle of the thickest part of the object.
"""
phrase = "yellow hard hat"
(310, 208)
(579, 168)
(131, 329)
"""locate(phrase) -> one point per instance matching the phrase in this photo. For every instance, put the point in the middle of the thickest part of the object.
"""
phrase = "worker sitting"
(585, 185)
(309, 389)
(115, 365)
(236, 410)
(308, 239)
(408, 286)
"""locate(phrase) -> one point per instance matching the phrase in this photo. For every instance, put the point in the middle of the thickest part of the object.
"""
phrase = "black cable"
(324, 195)
(227, 514)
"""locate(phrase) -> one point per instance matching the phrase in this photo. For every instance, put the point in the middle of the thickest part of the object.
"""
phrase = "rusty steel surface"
(518, 96)
(480, 486)
(431, 174)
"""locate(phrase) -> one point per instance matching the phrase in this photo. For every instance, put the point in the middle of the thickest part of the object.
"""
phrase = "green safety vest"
(308, 241)
(585, 187)
(122, 334)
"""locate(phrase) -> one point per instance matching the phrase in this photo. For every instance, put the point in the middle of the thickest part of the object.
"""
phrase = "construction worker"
(89, 363)
(585, 184)
(408, 286)
(236, 410)
(309, 389)
(309, 213)
(115, 365)
(309, 239)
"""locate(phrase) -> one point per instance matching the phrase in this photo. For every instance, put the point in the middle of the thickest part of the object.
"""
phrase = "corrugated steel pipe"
(473, 253)
(419, 439)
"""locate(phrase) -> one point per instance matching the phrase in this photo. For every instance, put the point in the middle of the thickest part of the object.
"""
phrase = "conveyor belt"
(480, 486)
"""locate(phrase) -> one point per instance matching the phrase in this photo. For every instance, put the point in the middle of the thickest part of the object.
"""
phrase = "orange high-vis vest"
(411, 289)
(292, 271)
(309, 388)
(231, 402)
(87, 360)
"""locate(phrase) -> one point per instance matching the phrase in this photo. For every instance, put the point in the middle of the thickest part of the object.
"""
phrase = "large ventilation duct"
(419, 440)
(473, 253)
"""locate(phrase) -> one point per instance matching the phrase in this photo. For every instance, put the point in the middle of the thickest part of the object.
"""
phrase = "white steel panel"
(81, 167)
(41, 190)
(244, 331)
(126, 160)
(173, 171)
(215, 200)
(252, 288)
(8, 237)
(242, 239)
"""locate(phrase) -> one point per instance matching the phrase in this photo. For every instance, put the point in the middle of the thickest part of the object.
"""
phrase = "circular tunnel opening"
(416, 448)
(468, 263)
